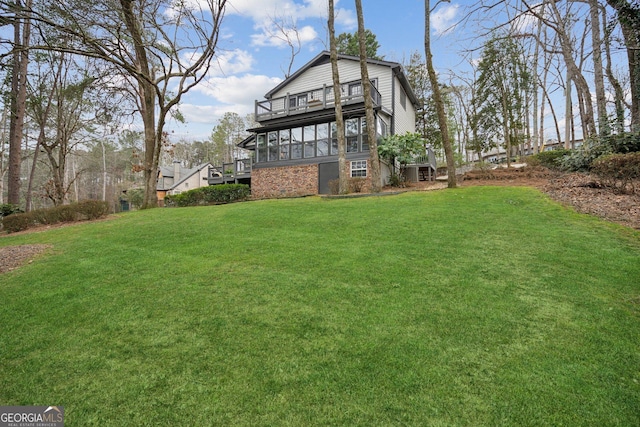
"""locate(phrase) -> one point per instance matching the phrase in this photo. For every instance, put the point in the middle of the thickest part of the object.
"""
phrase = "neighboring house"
(176, 179)
(296, 147)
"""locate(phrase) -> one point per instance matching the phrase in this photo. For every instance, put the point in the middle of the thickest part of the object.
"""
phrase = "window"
(297, 101)
(261, 143)
(323, 139)
(272, 144)
(359, 169)
(355, 89)
(309, 141)
(334, 139)
(285, 139)
(365, 137)
(403, 99)
(351, 133)
(296, 143)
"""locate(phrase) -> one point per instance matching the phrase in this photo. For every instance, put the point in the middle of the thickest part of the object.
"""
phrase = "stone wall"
(286, 181)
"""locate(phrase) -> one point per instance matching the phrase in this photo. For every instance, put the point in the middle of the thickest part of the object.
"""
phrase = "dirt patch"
(12, 257)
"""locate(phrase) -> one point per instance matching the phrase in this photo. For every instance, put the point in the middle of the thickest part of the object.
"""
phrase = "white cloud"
(265, 12)
(443, 19)
(273, 36)
(231, 62)
(238, 90)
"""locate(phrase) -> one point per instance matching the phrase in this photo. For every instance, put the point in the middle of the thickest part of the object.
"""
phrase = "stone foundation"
(286, 181)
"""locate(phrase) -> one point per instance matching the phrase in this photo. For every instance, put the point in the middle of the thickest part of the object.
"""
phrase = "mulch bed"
(12, 257)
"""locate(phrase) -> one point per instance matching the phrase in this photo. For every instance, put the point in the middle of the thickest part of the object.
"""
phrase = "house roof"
(324, 58)
(168, 171)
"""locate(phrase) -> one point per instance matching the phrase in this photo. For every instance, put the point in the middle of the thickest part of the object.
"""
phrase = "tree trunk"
(617, 88)
(147, 97)
(596, 42)
(629, 18)
(22, 32)
(582, 87)
(437, 98)
(337, 95)
(374, 160)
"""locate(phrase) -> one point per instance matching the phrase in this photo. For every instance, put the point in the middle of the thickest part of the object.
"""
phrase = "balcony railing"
(313, 100)
(230, 172)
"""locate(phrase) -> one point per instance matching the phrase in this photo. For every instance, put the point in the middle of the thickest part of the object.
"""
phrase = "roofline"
(397, 68)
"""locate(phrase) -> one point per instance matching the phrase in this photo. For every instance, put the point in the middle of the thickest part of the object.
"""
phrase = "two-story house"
(296, 146)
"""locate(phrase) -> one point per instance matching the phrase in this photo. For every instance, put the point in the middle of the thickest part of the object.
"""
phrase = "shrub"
(551, 159)
(7, 209)
(17, 222)
(356, 185)
(398, 180)
(582, 158)
(619, 171)
(93, 209)
(334, 186)
(211, 195)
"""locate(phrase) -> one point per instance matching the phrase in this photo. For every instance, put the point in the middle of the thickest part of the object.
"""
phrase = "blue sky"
(250, 61)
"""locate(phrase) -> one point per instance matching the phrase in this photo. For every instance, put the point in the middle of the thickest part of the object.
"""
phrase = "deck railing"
(316, 99)
(230, 172)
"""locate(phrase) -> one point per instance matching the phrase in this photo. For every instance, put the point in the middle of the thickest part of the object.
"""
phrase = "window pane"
(261, 140)
(323, 147)
(262, 155)
(352, 144)
(351, 126)
(285, 136)
(296, 151)
(323, 130)
(273, 154)
(284, 152)
(309, 133)
(355, 89)
(365, 142)
(334, 147)
(310, 149)
(273, 139)
(296, 135)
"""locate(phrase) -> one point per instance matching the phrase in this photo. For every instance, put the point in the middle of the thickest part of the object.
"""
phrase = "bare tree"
(437, 98)
(21, 36)
(160, 47)
(596, 42)
(285, 29)
(337, 95)
(374, 160)
(629, 18)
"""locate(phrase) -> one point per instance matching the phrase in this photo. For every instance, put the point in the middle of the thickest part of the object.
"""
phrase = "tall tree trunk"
(437, 98)
(147, 97)
(374, 160)
(22, 33)
(617, 88)
(629, 18)
(582, 87)
(568, 116)
(596, 42)
(337, 95)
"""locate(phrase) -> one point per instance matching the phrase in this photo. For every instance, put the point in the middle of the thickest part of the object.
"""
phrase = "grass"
(476, 306)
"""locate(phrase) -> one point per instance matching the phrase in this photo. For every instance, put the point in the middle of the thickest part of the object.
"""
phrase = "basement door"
(326, 172)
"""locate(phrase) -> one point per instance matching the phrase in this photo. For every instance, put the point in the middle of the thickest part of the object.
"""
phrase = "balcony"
(236, 172)
(314, 100)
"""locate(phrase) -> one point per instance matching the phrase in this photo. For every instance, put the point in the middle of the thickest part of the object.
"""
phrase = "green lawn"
(480, 306)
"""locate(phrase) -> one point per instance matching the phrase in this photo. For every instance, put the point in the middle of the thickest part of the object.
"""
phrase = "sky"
(250, 61)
